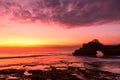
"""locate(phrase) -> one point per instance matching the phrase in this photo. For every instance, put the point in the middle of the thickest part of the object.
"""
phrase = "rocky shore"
(55, 73)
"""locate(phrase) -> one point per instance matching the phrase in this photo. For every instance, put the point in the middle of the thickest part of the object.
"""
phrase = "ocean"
(35, 61)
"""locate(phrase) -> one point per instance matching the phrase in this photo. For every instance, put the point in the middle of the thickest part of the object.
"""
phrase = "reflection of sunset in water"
(16, 61)
(59, 60)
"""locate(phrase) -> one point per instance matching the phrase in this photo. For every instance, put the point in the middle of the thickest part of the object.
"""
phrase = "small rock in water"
(79, 76)
(12, 78)
(26, 73)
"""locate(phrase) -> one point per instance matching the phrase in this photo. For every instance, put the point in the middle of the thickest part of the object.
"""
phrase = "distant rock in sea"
(96, 49)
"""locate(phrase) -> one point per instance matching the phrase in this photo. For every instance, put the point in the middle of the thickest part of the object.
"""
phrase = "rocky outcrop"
(91, 48)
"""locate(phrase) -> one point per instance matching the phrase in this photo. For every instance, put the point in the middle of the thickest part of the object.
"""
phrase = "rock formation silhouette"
(91, 48)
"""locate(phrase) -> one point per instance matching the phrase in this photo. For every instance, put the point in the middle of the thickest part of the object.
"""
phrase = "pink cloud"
(67, 12)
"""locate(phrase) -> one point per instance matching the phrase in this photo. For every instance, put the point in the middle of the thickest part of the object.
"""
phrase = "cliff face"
(91, 48)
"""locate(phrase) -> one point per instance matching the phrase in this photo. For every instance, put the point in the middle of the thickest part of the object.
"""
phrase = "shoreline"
(58, 73)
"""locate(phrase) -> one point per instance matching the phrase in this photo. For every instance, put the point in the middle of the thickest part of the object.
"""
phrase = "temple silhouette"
(91, 48)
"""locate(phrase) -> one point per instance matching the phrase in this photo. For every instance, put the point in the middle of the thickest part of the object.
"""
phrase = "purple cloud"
(67, 12)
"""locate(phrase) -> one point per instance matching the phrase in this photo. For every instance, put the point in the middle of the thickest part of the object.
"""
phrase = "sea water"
(43, 60)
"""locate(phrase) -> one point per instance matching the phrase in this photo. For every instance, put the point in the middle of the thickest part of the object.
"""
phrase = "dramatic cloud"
(67, 12)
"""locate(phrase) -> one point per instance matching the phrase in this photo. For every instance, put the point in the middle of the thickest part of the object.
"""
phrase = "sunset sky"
(31, 23)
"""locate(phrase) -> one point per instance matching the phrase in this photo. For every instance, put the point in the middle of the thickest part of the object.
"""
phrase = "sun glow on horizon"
(34, 34)
(29, 42)
(20, 42)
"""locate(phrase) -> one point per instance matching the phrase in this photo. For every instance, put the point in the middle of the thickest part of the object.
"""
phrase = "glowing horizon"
(25, 25)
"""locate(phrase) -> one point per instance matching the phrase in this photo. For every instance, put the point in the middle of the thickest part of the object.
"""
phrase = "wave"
(29, 56)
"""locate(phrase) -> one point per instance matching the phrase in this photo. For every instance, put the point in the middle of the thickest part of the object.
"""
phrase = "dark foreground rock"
(90, 49)
(52, 73)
